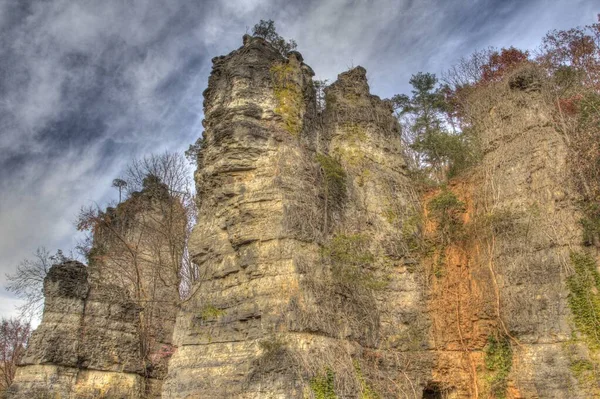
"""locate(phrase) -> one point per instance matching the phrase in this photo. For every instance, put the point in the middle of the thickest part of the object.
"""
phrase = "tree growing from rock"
(27, 282)
(423, 128)
(120, 184)
(266, 30)
(193, 152)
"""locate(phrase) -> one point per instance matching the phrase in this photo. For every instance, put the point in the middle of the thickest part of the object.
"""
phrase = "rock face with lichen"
(325, 274)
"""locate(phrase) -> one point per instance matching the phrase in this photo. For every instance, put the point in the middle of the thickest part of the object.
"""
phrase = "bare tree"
(14, 334)
(468, 70)
(120, 184)
(137, 253)
(163, 175)
(28, 280)
(170, 168)
(320, 86)
(140, 245)
(174, 171)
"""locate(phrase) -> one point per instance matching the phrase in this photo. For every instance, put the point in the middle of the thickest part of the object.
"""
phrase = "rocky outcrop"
(84, 347)
(106, 329)
(525, 181)
(500, 308)
(286, 195)
(322, 272)
(245, 244)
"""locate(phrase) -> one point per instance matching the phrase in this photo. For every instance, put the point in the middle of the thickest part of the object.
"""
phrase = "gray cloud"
(87, 85)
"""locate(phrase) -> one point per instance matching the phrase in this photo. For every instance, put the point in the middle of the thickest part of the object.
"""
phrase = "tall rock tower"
(303, 274)
(252, 190)
(105, 327)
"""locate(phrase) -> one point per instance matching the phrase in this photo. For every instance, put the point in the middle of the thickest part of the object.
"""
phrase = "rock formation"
(84, 346)
(105, 327)
(323, 273)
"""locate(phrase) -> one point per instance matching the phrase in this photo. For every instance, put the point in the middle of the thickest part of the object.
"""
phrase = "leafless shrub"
(14, 334)
(28, 280)
(468, 70)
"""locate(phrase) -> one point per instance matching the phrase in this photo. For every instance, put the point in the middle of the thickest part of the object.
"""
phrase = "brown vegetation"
(14, 334)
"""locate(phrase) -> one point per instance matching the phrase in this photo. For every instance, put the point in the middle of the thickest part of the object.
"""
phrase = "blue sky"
(87, 85)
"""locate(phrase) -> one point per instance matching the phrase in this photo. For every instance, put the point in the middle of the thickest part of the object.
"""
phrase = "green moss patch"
(322, 385)
(288, 94)
(366, 392)
(584, 297)
(210, 312)
(498, 362)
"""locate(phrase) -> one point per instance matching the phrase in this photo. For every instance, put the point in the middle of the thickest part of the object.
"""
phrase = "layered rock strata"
(84, 346)
(323, 273)
(505, 285)
(283, 192)
(106, 329)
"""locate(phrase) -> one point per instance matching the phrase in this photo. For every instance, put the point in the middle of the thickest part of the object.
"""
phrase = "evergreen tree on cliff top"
(266, 30)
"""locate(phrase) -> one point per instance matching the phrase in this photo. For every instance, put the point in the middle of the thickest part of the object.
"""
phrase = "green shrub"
(459, 151)
(266, 30)
(323, 385)
(498, 362)
(446, 209)
(584, 297)
(193, 152)
(335, 179)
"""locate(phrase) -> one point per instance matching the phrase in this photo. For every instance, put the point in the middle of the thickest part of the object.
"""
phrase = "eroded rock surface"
(83, 347)
(313, 281)
(105, 327)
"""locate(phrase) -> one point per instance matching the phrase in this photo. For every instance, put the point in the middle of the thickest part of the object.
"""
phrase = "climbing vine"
(498, 362)
(584, 297)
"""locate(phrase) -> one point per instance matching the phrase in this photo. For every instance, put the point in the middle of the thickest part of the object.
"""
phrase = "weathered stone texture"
(365, 136)
(83, 347)
(104, 326)
(244, 249)
(306, 270)
(525, 173)
(516, 270)
(265, 320)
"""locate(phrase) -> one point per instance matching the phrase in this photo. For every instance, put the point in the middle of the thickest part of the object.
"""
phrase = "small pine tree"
(266, 30)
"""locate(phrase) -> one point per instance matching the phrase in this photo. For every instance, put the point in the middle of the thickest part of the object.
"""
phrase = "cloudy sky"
(85, 85)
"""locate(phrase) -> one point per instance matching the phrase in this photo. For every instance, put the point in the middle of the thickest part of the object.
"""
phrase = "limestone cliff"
(326, 273)
(105, 327)
(301, 274)
(500, 304)
(84, 346)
